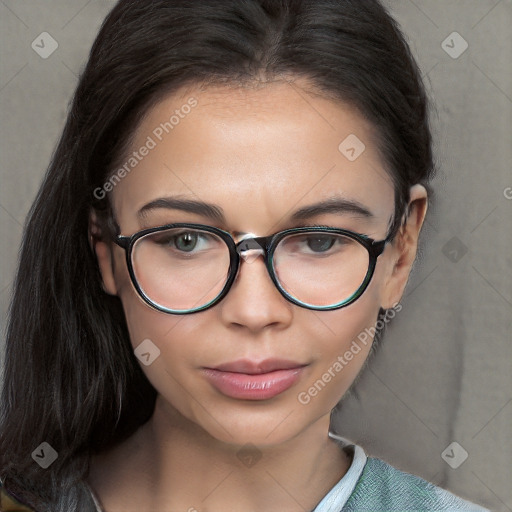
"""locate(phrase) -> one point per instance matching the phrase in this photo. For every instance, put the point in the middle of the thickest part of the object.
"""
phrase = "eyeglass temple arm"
(122, 241)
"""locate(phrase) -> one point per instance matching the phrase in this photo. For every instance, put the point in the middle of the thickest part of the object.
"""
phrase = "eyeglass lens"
(182, 269)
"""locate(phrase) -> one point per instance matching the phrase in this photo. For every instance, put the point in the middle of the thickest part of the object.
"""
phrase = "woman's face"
(257, 155)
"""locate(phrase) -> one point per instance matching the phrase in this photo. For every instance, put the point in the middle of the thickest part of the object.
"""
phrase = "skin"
(259, 154)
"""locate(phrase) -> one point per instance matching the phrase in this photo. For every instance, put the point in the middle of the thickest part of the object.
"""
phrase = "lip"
(250, 380)
(257, 367)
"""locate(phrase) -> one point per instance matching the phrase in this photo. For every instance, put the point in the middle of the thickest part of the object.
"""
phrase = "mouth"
(250, 380)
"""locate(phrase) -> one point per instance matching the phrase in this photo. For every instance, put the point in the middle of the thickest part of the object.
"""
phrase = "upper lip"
(257, 367)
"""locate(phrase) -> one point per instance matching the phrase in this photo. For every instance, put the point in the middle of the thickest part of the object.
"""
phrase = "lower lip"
(253, 387)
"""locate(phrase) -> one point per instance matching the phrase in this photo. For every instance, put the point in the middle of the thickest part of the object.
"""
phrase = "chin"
(252, 424)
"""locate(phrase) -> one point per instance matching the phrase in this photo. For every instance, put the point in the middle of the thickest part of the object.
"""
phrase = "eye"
(320, 243)
(315, 244)
(185, 241)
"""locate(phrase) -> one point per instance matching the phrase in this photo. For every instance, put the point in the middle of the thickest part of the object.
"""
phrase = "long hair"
(70, 376)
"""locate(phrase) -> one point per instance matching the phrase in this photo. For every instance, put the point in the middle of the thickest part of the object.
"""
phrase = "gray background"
(443, 374)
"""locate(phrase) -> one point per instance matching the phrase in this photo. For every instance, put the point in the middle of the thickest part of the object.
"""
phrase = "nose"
(253, 301)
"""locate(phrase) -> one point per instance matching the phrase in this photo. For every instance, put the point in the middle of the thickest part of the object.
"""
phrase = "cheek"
(170, 340)
(341, 342)
(144, 322)
(164, 337)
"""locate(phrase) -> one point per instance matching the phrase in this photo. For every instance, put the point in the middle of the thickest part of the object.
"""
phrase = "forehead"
(261, 149)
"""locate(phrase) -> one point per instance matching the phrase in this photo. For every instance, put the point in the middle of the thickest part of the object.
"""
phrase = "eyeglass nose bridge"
(250, 247)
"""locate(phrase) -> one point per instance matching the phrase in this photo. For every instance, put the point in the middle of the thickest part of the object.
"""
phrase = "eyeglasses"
(185, 268)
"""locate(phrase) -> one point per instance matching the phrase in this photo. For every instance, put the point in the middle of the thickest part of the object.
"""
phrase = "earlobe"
(405, 246)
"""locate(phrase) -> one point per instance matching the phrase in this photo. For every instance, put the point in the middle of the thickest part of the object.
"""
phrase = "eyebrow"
(186, 205)
(336, 205)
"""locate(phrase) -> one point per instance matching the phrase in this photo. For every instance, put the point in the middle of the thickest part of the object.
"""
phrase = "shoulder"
(78, 498)
(383, 487)
(9, 503)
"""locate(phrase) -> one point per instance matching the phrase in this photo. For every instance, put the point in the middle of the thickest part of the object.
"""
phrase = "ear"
(100, 245)
(404, 247)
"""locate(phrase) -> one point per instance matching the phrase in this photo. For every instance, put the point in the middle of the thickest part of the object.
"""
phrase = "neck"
(173, 464)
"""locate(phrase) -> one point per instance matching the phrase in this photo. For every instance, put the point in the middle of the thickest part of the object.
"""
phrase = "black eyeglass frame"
(268, 245)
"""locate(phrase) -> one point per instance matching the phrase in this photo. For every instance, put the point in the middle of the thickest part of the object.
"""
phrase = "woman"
(236, 197)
